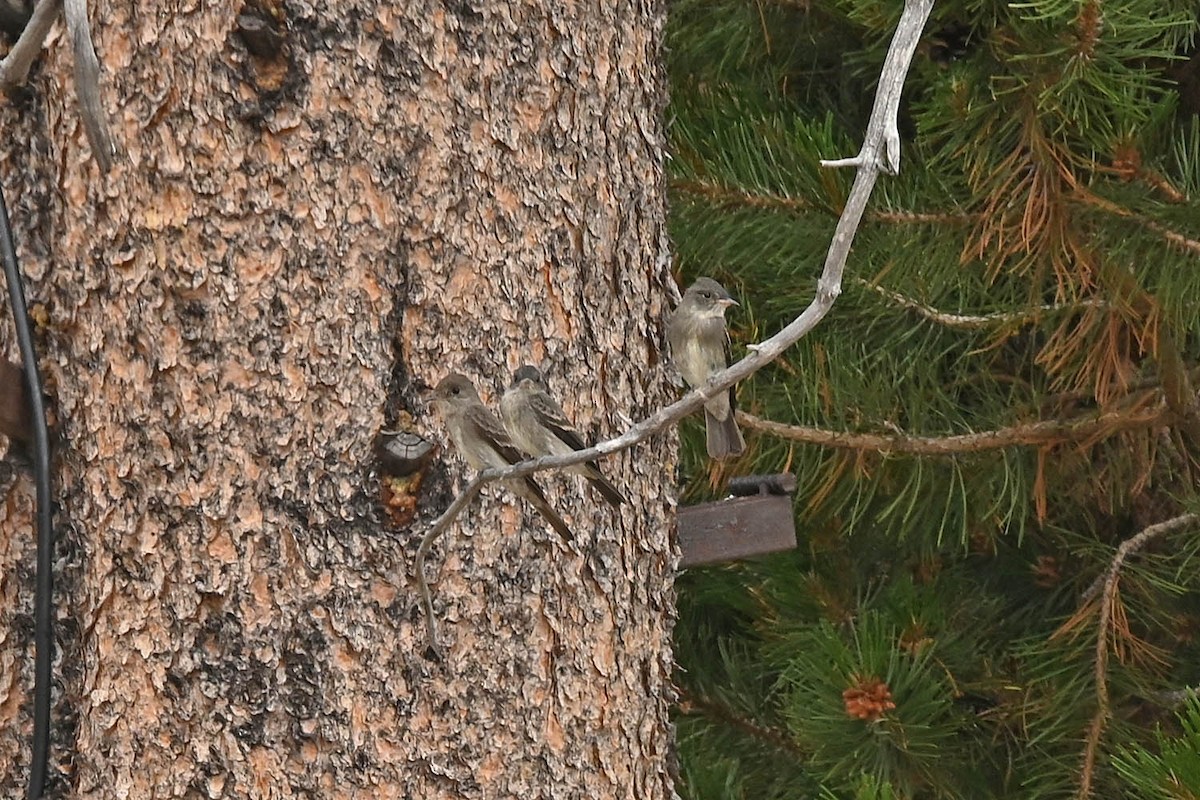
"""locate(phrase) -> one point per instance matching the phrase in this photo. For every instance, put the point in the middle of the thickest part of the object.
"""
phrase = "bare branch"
(87, 84)
(14, 69)
(883, 126)
(880, 152)
(1108, 601)
(435, 532)
(1043, 432)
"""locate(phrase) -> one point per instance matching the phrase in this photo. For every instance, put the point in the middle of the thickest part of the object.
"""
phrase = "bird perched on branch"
(540, 427)
(700, 349)
(482, 441)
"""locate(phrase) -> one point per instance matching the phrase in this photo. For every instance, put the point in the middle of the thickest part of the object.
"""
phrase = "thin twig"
(977, 320)
(1052, 431)
(87, 84)
(880, 151)
(439, 527)
(1108, 599)
(14, 69)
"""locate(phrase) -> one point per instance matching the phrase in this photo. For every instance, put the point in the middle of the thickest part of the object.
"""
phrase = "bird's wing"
(551, 415)
(732, 389)
(489, 429)
(675, 333)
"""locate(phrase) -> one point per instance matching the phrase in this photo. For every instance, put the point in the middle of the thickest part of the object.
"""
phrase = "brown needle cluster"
(868, 699)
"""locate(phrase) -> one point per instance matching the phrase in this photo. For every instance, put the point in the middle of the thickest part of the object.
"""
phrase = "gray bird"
(540, 427)
(482, 441)
(700, 349)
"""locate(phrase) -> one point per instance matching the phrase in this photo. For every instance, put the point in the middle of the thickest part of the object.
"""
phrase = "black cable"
(43, 621)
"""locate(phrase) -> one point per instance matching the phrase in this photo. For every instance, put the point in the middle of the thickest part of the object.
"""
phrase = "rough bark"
(316, 210)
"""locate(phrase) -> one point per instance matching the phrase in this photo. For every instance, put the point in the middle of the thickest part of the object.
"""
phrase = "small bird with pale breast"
(700, 348)
(539, 426)
(482, 441)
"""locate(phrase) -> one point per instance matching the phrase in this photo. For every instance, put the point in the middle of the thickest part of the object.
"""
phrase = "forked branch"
(14, 68)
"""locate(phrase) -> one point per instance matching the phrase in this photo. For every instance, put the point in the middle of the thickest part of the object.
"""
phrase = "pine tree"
(995, 430)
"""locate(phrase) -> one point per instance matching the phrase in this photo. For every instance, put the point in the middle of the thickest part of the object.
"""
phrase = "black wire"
(43, 632)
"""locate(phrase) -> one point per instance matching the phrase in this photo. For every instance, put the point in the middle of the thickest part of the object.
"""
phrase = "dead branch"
(435, 532)
(1108, 602)
(87, 83)
(1039, 433)
(880, 153)
(14, 69)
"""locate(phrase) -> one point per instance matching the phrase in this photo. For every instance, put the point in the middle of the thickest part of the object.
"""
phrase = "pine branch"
(1160, 184)
(1172, 369)
(1108, 602)
(1041, 433)
(1127, 164)
(690, 704)
(718, 193)
(971, 321)
(880, 153)
(1172, 237)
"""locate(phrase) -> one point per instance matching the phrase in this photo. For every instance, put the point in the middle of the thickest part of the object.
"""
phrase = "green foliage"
(1171, 769)
(1036, 262)
(903, 745)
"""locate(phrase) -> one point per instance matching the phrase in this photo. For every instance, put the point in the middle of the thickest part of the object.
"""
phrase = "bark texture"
(319, 209)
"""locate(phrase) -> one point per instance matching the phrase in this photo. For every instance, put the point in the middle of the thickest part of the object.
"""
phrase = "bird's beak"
(727, 302)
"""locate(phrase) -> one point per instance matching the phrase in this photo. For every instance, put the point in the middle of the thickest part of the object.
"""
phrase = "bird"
(481, 440)
(700, 349)
(539, 426)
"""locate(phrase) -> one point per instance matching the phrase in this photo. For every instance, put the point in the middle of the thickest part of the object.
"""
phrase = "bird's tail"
(723, 437)
(533, 493)
(604, 487)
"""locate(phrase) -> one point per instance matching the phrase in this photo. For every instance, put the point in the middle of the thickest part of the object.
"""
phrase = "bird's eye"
(455, 390)
(706, 295)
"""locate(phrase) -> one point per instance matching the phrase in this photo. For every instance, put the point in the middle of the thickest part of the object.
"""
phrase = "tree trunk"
(319, 209)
